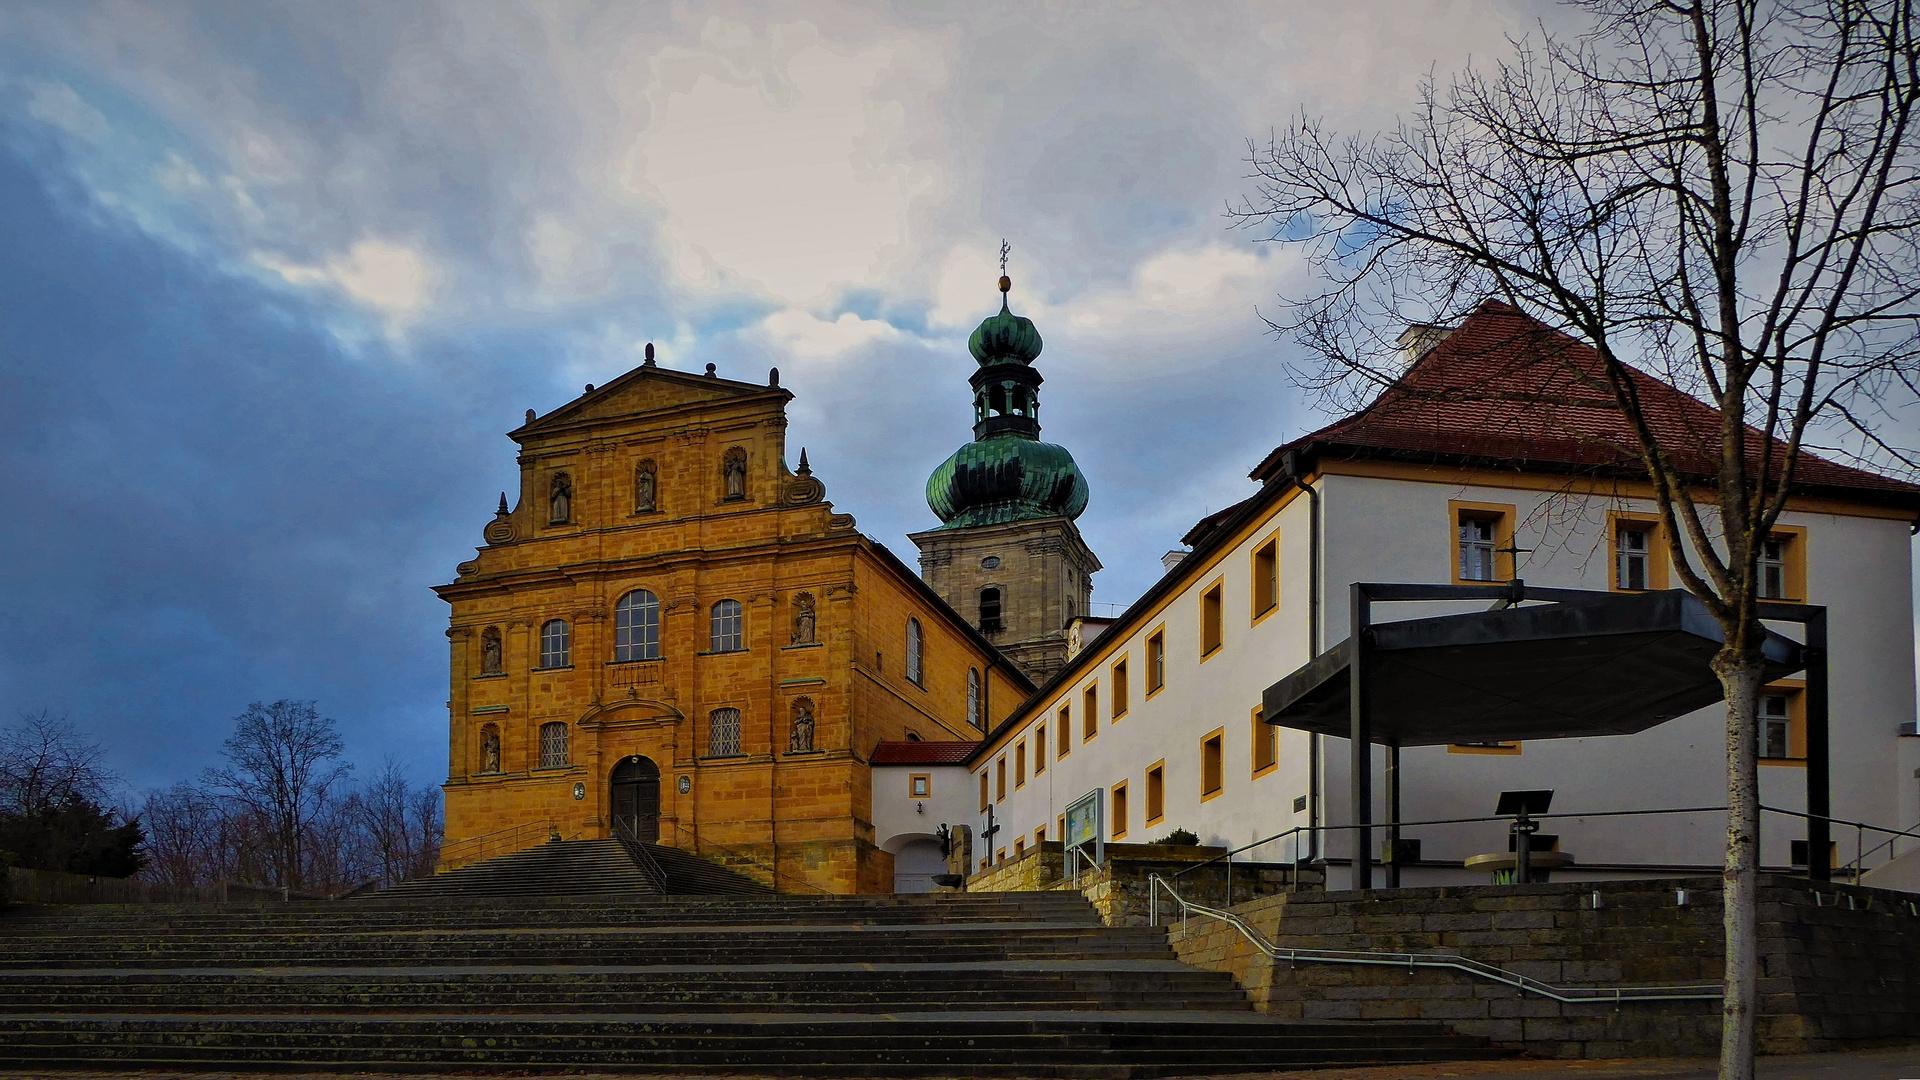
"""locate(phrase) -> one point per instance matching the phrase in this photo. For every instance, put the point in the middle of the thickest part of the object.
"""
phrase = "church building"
(671, 636)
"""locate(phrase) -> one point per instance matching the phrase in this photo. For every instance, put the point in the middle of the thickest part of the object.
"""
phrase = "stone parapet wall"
(1121, 891)
(1841, 965)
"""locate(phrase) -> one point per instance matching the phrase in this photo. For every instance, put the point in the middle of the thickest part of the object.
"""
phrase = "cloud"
(393, 279)
(804, 335)
(58, 104)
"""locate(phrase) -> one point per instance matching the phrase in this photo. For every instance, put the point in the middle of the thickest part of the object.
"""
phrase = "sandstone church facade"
(673, 636)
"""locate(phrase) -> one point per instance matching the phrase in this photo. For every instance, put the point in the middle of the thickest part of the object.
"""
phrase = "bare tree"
(45, 762)
(282, 766)
(1720, 189)
(401, 825)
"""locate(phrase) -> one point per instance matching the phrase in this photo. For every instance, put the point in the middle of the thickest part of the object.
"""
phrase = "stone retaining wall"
(1121, 890)
(1841, 964)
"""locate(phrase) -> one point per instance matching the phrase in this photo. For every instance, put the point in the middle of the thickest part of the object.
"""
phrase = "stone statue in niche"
(490, 651)
(489, 749)
(734, 467)
(803, 619)
(802, 738)
(644, 486)
(560, 507)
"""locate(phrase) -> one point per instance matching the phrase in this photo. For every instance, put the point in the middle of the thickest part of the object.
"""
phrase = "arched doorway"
(636, 799)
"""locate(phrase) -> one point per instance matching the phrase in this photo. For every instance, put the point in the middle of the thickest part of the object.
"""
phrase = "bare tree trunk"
(1741, 672)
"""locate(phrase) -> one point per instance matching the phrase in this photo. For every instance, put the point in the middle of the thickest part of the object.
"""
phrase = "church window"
(636, 627)
(973, 697)
(989, 611)
(991, 562)
(913, 651)
(728, 634)
(553, 745)
(723, 732)
(554, 650)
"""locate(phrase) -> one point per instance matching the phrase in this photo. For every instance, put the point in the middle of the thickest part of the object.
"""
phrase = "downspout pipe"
(1290, 468)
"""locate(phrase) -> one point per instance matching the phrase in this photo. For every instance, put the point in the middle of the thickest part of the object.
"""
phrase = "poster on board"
(1085, 838)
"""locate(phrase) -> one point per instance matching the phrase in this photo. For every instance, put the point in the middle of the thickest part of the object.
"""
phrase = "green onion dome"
(1006, 478)
(1006, 473)
(1005, 338)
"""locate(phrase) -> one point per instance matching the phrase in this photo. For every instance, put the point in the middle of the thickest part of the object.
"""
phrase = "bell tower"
(1007, 555)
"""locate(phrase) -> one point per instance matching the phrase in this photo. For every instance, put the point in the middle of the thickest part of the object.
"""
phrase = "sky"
(275, 278)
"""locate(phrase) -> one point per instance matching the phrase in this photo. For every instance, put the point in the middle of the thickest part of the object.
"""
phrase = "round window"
(991, 562)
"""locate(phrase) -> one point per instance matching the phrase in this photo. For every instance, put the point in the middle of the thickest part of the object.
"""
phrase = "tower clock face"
(991, 562)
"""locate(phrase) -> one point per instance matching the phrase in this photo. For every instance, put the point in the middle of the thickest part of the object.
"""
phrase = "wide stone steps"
(581, 868)
(1001, 985)
(1116, 1044)
(1068, 985)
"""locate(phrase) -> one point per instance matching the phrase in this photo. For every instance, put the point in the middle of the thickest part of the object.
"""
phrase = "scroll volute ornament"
(500, 529)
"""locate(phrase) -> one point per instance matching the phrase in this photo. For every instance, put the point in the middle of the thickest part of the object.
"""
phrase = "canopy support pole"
(1819, 793)
(1360, 737)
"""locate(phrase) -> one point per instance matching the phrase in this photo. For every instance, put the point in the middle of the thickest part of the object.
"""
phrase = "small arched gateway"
(636, 799)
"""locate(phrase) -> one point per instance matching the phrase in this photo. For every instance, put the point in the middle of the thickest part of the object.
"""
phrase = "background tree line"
(282, 809)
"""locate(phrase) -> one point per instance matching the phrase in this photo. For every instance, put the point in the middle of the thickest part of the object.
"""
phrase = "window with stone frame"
(636, 627)
(553, 745)
(555, 650)
(723, 733)
(990, 611)
(727, 628)
(913, 651)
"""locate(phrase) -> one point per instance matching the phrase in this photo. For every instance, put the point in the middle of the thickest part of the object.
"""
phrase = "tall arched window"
(973, 696)
(913, 650)
(728, 633)
(989, 611)
(636, 627)
(553, 745)
(554, 648)
(723, 732)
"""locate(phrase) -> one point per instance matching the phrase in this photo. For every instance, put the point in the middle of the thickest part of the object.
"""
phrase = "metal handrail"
(1860, 828)
(510, 834)
(1448, 961)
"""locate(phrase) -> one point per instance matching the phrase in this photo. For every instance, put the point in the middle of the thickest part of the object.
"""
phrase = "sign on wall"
(1085, 837)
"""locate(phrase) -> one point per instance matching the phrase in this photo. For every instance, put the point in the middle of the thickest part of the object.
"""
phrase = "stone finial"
(529, 416)
(710, 371)
(503, 503)
(773, 376)
(589, 388)
(650, 362)
(804, 469)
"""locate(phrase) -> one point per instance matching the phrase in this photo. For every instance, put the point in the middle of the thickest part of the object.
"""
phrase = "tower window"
(553, 745)
(990, 611)
(723, 732)
(554, 651)
(728, 632)
(913, 651)
(636, 627)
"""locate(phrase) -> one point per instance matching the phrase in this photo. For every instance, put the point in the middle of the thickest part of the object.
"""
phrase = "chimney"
(1418, 339)
(1173, 558)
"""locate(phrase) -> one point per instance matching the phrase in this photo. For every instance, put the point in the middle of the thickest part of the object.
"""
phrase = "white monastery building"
(1493, 458)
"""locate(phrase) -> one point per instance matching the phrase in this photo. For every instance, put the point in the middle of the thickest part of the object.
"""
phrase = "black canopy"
(1601, 664)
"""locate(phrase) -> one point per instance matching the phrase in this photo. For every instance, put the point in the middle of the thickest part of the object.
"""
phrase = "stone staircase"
(581, 868)
(1004, 984)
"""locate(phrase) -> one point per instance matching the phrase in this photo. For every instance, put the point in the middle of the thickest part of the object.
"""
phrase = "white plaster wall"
(899, 818)
(1399, 530)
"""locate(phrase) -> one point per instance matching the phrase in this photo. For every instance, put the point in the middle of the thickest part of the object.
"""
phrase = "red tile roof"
(1506, 390)
(921, 753)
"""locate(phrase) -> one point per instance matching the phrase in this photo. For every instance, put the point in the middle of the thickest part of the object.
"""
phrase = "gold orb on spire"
(1006, 283)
